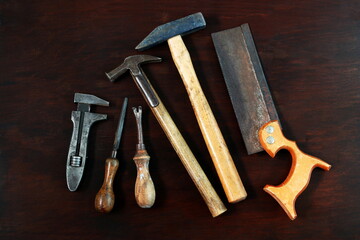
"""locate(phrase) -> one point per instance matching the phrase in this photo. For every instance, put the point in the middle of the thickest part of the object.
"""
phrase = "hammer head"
(180, 26)
(131, 63)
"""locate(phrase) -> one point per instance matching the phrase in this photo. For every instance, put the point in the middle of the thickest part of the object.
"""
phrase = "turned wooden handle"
(144, 186)
(190, 163)
(272, 140)
(105, 199)
(215, 142)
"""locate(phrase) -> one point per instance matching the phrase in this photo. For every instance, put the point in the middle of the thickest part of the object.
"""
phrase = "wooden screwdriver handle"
(214, 140)
(144, 186)
(105, 199)
(272, 140)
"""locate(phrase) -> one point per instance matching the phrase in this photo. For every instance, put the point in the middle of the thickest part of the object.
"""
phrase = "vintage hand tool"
(82, 120)
(105, 198)
(144, 186)
(171, 32)
(256, 113)
(198, 176)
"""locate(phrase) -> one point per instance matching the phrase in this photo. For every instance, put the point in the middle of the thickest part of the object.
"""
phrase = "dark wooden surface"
(49, 50)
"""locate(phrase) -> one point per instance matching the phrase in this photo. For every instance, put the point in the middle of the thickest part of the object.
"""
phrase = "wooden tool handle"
(272, 140)
(105, 199)
(196, 173)
(144, 186)
(215, 142)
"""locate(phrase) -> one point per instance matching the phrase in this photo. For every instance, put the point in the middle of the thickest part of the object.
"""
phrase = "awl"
(82, 120)
(256, 113)
(105, 198)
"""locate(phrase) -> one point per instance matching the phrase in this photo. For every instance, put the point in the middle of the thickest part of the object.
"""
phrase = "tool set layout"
(253, 106)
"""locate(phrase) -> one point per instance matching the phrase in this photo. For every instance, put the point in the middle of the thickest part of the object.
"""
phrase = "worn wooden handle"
(215, 142)
(144, 186)
(105, 199)
(272, 140)
(190, 163)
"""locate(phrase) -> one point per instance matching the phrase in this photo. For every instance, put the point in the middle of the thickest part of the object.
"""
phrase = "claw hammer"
(196, 173)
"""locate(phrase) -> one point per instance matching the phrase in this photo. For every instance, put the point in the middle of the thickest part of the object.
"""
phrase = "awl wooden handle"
(144, 186)
(105, 199)
(272, 140)
(190, 163)
(215, 142)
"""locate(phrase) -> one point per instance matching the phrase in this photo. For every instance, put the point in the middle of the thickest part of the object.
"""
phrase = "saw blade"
(246, 83)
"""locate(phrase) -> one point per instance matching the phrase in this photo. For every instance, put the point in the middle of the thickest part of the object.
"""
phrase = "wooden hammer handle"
(215, 142)
(105, 199)
(196, 173)
(144, 186)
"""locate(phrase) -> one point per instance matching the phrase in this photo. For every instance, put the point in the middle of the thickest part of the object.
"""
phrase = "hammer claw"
(133, 63)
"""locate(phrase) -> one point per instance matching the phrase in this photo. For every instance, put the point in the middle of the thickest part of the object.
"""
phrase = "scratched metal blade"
(120, 125)
(246, 83)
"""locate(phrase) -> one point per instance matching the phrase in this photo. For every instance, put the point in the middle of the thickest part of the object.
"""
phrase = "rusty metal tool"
(82, 120)
(220, 155)
(256, 113)
(105, 198)
(144, 186)
(196, 173)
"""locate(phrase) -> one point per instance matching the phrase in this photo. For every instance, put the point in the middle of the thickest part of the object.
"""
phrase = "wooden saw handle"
(189, 161)
(272, 140)
(214, 140)
(144, 186)
(105, 199)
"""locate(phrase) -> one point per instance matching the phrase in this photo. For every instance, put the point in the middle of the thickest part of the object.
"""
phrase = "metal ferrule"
(140, 146)
(145, 88)
(113, 153)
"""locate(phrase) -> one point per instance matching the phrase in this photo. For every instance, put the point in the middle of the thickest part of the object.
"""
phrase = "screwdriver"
(144, 186)
(105, 199)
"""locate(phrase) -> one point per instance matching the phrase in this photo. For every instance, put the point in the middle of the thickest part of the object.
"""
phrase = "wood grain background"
(49, 50)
